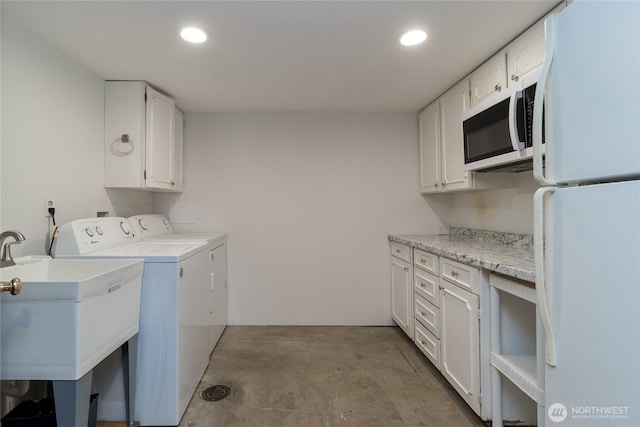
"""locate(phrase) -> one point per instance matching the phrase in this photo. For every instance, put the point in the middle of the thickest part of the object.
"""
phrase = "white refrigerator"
(587, 214)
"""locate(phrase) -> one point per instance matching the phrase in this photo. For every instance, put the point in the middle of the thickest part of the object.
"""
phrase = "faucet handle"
(6, 259)
(6, 253)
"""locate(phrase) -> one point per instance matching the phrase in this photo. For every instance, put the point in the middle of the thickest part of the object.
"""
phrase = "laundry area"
(319, 213)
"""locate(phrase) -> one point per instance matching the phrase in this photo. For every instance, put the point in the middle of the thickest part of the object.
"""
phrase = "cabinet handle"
(14, 286)
(422, 260)
(515, 77)
(423, 314)
(406, 269)
(423, 342)
(398, 251)
(173, 183)
(454, 274)
(422, 285)
(498, 88)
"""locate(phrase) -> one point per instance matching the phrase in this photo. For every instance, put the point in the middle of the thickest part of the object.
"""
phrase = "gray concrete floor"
(324, 376)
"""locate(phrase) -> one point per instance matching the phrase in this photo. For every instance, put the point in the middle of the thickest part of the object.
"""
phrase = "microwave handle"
(538, 161)
(513, 120)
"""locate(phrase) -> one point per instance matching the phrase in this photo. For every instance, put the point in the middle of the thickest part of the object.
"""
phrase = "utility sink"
(69, 315)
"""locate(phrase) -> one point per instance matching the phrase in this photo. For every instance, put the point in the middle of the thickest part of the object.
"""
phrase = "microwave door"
(495, 132)
(486, 133)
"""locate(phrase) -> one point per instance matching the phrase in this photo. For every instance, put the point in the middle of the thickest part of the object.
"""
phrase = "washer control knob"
(125, 228)
(99, 231)
(89, 232)
(143, 224)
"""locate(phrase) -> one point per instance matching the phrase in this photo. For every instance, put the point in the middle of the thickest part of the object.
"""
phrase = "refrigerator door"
(592, 96)
(592, 275)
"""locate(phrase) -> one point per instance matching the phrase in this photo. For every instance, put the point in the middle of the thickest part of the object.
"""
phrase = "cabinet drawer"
(426, 261)
(426, 285)
(428, 344)
(460, 274)
(427, 314)
(401, 251)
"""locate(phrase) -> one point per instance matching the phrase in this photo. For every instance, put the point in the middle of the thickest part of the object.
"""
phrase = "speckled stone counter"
(504, 253)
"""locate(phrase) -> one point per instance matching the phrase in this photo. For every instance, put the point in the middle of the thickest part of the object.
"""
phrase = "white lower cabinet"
(427, 314)
(447, 329)
(402, 288)
(428, 343)
(460, 341)
(426, 297)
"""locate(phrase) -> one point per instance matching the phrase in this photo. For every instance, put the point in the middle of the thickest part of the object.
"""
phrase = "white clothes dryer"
(156, 228)
(174, 314)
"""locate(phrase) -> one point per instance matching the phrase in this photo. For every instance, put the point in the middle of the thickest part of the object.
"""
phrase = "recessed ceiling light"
(412, 38)
(193, 35)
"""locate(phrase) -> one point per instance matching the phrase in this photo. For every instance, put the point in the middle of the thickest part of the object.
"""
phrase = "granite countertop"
(505, 253)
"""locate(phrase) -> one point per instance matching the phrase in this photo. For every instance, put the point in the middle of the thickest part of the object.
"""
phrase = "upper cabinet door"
(178, 152)
(160, 140)
(429, 124)
(490, 78)
(452, 104)
(526, 53)
(124, 134)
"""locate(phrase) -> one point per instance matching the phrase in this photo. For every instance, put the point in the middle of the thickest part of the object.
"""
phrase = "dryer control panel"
(150, 225)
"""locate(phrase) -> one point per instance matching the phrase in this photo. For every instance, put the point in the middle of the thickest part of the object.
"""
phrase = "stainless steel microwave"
(498, 132)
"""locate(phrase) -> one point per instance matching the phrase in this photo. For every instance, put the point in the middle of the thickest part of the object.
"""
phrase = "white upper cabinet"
(452, 105)
(160, 140)
(526, 53)
(489, 78)
(141, 148)
(429, 123)
(442, 146)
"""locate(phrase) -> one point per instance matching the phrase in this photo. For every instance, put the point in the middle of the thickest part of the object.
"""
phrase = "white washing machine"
(154, 227)
(173, 339)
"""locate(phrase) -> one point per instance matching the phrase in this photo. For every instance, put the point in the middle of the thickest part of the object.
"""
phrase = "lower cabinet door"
(459, 340)
(428, 344)
(402, 295)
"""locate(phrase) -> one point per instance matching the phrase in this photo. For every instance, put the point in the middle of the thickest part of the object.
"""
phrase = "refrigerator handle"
(538, 164)
(541, 291)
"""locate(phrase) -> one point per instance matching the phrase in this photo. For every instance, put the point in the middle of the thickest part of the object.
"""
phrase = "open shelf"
(520, 370)
(517, 349)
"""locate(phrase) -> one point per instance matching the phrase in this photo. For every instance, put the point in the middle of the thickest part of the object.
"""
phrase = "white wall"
(307, 201)
(52, 139)
(508, 210)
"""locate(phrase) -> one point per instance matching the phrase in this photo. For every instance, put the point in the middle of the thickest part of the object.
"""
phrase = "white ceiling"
(282, 55)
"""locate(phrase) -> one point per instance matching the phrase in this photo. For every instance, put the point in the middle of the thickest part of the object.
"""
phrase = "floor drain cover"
(216, 392)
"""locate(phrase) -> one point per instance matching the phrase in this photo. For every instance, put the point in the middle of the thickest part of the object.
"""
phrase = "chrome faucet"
(6, 259)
